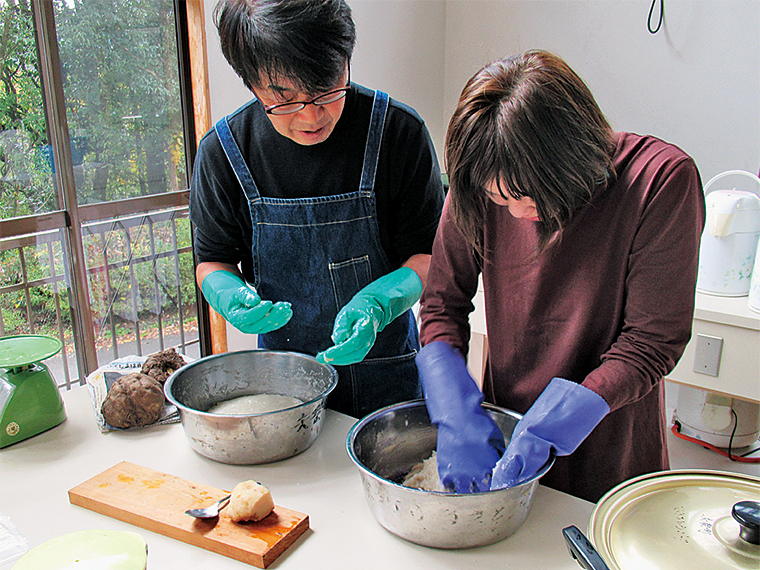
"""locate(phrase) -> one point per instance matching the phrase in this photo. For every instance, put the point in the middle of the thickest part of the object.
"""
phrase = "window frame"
(69, 220)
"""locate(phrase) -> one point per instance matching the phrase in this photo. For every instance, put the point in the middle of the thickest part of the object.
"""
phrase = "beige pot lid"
(674, 520)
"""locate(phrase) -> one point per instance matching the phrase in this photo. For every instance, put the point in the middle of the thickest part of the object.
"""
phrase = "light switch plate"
(707, 354)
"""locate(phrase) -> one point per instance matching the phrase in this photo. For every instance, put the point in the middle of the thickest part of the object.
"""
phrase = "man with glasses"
(315, 205)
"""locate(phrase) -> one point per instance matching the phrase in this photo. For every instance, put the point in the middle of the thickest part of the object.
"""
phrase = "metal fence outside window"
(140, 281)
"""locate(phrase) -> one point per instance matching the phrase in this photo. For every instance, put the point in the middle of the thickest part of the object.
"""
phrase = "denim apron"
(316, 253)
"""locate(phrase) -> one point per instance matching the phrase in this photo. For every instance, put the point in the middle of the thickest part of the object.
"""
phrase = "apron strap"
(374, 137)
(232, 150)
(371, 150)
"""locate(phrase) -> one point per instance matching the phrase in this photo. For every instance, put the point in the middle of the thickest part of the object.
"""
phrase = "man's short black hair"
(307, 42)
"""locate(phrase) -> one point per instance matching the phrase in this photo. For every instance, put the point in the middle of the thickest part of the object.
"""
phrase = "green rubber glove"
(241, 306)
(368, 313)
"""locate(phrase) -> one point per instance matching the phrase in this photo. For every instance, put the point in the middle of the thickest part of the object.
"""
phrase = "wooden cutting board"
(157, 502)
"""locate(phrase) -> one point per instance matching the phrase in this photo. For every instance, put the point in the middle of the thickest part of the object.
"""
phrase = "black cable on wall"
(659, 20)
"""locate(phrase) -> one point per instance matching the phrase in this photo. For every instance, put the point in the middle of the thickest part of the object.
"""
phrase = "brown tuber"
(133, 400)
(161, 365)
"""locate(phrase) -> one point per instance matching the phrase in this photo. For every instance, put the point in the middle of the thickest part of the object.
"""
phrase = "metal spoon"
(211, 511)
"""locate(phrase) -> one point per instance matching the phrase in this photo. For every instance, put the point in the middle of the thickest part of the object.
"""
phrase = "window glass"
(121, 89)
(26, 185)
(120, 80)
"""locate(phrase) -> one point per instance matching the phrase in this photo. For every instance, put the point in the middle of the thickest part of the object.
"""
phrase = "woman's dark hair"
(530, 124)
(308, 42)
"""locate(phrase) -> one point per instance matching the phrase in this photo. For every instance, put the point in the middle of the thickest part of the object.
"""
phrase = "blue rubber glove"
(241, 306)
(558, 421)
(368, 313)
(469, 441)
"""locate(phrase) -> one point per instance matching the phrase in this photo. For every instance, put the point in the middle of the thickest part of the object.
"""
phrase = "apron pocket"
(348, 277)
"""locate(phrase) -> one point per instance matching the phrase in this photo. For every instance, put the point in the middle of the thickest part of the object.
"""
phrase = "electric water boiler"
(754, 286)
(730, 239)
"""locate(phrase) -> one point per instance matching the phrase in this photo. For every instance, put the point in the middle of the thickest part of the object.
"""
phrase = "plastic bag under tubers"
(250, 501)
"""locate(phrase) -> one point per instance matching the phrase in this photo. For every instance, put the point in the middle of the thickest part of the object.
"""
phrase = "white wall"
(226, 89)
(400, 50)
(696, 83)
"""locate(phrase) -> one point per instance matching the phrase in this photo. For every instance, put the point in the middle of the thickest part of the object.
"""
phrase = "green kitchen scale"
(30, 402)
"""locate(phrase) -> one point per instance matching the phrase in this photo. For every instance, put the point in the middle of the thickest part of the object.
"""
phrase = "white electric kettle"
(753, 302)
(730, 239)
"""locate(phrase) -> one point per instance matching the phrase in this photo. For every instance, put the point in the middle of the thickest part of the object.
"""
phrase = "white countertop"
(36, 474)
(732, 311)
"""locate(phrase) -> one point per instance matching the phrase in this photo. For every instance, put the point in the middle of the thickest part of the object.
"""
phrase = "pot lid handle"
(582, 550)
(747, 514)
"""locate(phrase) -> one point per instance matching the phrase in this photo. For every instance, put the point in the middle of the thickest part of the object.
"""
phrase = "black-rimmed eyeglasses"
(324, 99)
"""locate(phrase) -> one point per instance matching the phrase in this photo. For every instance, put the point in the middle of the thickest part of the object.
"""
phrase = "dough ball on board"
(250, 501)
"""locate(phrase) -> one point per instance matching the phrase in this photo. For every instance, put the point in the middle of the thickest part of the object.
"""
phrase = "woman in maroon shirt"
(587, 243)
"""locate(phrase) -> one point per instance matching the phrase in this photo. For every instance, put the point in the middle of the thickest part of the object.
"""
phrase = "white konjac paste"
(255, 404)
(425, 476)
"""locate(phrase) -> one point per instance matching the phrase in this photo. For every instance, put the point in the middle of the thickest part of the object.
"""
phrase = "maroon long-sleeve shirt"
(609, 306)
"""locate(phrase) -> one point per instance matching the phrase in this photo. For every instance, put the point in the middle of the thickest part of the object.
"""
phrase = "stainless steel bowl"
(251, 438)
(386, 444)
